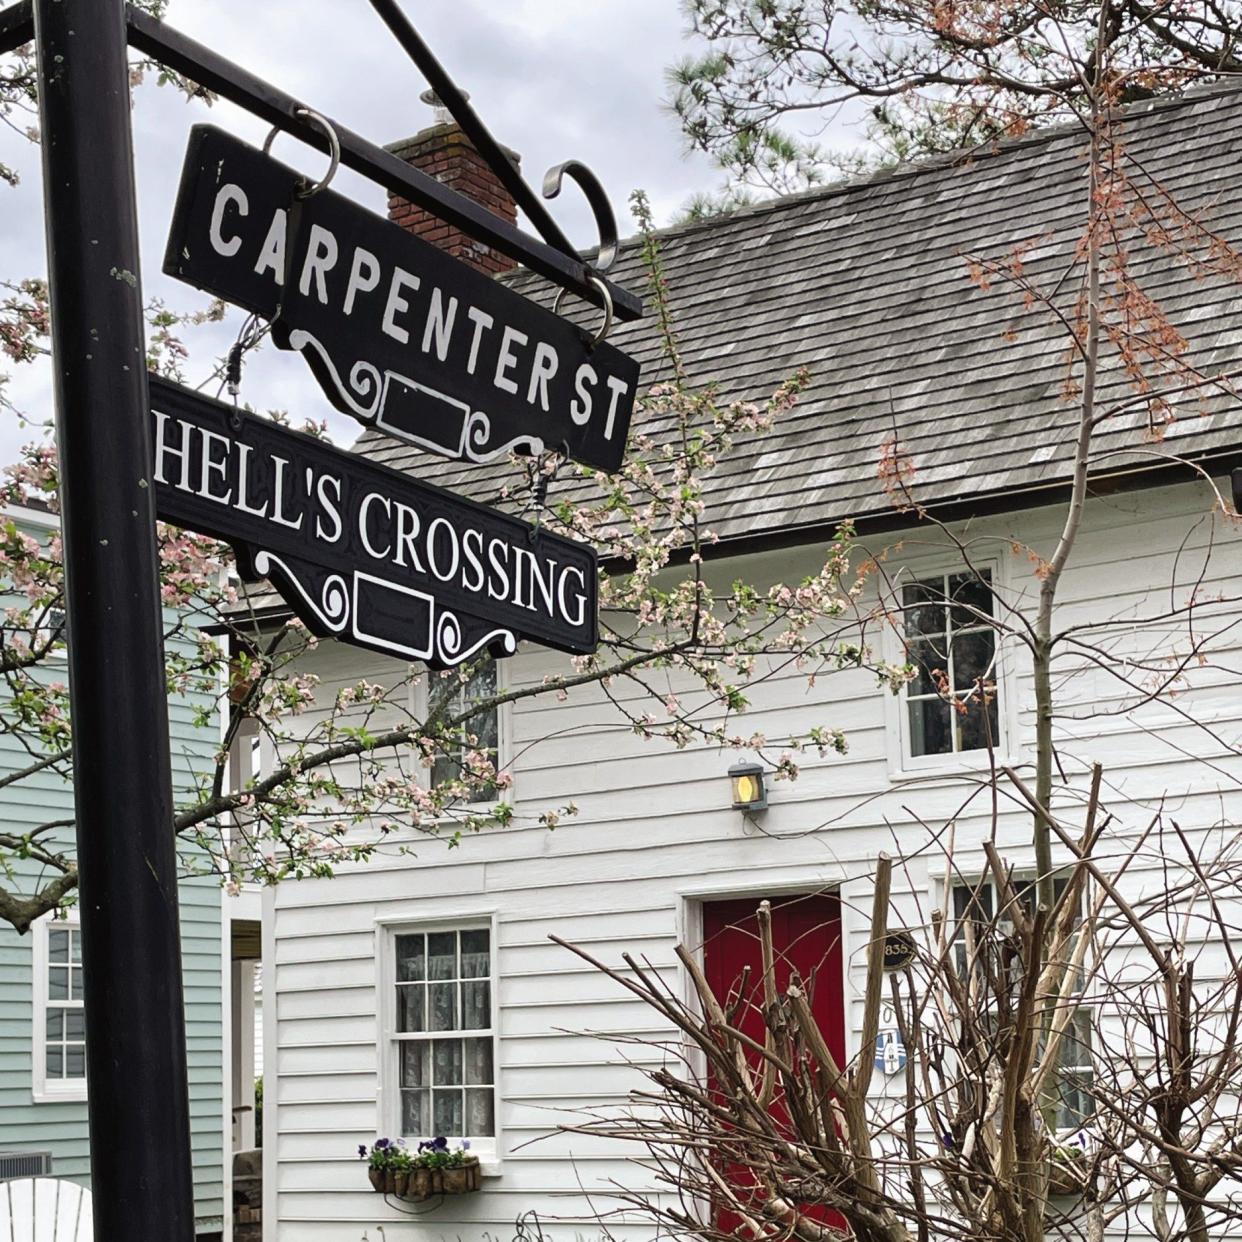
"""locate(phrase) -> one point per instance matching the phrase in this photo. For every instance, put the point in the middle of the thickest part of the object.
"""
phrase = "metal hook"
(607, 297)
(334, 148)
(589, 184)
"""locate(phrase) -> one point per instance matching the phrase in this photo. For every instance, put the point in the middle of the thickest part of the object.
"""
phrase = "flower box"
(436, 1170)
(458, 1179)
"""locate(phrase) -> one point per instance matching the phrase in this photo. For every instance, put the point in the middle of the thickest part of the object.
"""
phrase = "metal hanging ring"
(334, 148)
(603, 289)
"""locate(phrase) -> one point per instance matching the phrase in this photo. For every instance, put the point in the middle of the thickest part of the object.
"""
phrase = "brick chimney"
(445, 153)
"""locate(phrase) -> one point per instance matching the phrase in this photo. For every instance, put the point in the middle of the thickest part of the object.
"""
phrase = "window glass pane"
(75, 945)
(444, 769)
(446, 1062)
(972, 658)
(924, 608)
(58, 944)
(58, 982)
(479, 1112)
(931, 658)
(929, 727)
(478, 1062)
(977, 724)
(482, 683)
(411, 999)
(411, 959)
(55, 1062)
(415, 1068)
(56, 1024)
(75, 1024)
(442, 955)
(442, 689)
(416, 1113)
(75, 983)
(443, 1007)
(484, 727)
(75, 1061)
(446, 1113)
(976, 900)
(475, 955)
(973, 595)
(476, 1006)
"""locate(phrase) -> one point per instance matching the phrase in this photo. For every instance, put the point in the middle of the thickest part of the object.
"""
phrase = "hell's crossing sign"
(364, 553)
(398, 333)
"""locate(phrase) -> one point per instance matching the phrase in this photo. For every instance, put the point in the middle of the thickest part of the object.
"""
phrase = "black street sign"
(361, 552)
(399, 334)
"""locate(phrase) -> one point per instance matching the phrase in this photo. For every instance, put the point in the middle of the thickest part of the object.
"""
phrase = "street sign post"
(364, 553)
(123, 805)
(399, 334)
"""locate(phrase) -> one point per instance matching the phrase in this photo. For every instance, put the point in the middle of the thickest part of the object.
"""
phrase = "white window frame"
(902, 763)
(419, 694)
(1087, 1000)
(43, 1089)
(486, 1147)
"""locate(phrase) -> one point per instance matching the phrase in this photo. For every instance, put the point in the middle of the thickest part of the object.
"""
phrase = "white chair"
(42, 1209)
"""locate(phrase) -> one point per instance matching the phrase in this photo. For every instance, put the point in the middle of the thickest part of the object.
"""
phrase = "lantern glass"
(748, 789)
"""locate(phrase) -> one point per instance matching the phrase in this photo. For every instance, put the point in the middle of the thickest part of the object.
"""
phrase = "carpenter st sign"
(398, 333)
(361, 552)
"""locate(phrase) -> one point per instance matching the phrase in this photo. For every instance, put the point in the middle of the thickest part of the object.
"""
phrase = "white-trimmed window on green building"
(59, 1042)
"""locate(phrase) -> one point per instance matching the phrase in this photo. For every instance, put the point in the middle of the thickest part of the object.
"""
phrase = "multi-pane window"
(63, 1015)
(455, 696)
(975, 905)
(445, 1046)
(951, 705)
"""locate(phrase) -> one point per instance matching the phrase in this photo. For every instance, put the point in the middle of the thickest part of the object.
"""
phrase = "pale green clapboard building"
(42, 1092)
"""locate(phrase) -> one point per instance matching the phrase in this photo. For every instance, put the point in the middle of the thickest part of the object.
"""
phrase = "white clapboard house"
(865, 284)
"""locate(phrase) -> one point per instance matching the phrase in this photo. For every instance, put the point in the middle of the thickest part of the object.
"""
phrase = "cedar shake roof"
(866, 285)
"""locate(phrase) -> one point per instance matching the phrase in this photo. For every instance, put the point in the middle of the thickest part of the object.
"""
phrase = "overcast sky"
(554, 79)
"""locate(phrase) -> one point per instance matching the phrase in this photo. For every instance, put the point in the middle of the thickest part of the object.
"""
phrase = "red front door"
(806, 936)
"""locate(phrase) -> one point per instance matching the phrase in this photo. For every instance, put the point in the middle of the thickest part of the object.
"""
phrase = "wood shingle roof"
(867, 286)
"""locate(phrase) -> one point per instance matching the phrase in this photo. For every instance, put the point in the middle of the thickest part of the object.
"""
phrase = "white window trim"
(902, 765)
(504, 757)
(43, 1091)
(388, 1092)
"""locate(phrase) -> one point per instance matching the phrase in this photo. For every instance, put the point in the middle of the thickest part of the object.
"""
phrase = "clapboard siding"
(61, 1127)
(655, 830)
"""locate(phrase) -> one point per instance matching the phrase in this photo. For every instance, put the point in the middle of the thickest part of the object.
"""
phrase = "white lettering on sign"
(384, 532)
(230, 195)
(399, 304)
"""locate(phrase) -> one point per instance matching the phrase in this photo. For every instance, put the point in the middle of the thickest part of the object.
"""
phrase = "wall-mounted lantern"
(749, 792)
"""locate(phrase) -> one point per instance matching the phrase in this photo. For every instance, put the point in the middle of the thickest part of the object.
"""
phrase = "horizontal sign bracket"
(557, 261)
(221, 76)
(16, 26)
(455, 101)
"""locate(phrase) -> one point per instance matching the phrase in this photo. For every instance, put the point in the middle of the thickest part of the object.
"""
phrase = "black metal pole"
(135, 1048)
